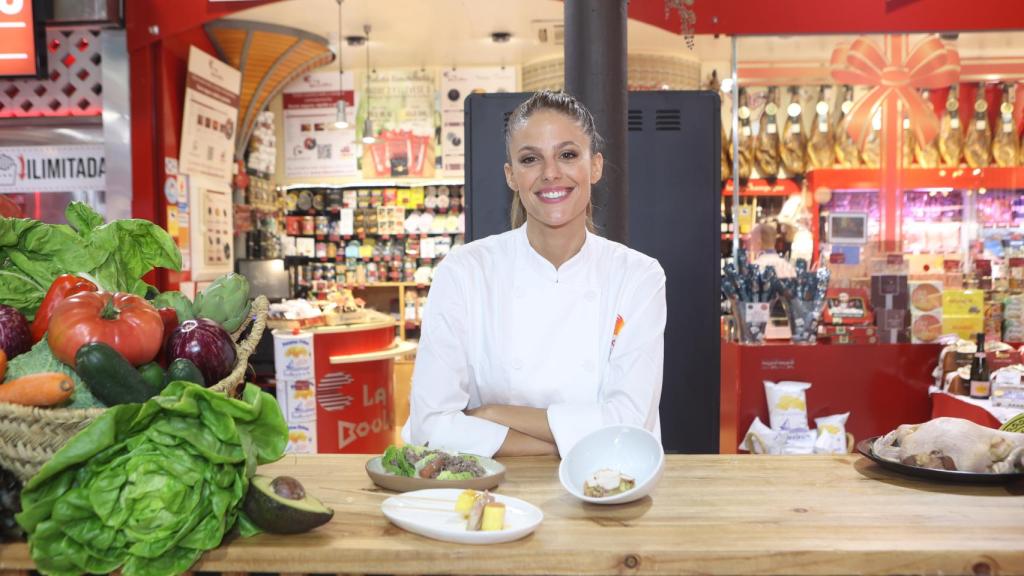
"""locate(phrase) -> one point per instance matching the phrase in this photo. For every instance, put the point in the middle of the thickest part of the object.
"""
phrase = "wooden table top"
(709, 514)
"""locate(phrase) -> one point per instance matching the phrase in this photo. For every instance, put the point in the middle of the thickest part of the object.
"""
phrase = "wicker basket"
(30, 436)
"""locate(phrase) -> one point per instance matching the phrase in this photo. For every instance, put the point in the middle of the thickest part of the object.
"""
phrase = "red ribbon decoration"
(930, 65)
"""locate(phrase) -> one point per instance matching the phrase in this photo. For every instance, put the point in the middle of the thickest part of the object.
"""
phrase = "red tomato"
(125, 322)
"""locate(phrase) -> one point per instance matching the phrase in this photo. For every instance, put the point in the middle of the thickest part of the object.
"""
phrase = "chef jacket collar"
(572, 271)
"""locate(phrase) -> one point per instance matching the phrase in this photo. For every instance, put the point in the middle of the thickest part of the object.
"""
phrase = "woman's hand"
(529, 433)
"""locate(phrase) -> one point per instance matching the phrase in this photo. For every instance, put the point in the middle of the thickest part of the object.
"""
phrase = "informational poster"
(210, 118)
(455, 86)
(212, 228)
(402, 106)
(313, 146)
(52, 168)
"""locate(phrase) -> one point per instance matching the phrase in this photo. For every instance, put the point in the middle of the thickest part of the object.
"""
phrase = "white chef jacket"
(502, 325)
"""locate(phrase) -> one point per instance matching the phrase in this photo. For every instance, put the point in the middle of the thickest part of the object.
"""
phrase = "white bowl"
(628, 449)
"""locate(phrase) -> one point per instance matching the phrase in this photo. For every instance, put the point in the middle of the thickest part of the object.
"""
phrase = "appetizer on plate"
(481, 510)
(607, 482)
(422, 462)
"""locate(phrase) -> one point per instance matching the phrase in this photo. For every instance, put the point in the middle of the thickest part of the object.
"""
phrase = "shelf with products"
(380, 238)
(780, 200)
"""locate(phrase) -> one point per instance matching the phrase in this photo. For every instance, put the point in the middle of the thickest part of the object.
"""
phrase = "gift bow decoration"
(930, 64)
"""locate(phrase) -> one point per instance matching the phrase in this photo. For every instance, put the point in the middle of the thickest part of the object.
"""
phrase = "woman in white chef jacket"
(533, 338)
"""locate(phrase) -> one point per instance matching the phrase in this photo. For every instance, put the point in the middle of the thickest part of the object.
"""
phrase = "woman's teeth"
(553, 194)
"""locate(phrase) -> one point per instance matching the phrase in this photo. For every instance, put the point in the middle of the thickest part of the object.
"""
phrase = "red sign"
(17, 38)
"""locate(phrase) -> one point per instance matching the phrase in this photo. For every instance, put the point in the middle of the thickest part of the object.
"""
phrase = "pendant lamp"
(341, 113)
(368, 137)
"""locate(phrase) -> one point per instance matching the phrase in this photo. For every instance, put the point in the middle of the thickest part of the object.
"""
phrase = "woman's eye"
(569, 155)
(527, 159)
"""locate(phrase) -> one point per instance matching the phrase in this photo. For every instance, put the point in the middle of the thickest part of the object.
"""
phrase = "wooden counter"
(710, 514)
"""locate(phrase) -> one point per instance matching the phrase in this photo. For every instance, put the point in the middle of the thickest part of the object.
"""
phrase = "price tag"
(1007, 377)
(979, 125)
(1007, 128)
(771, 129)
(794, 129)
(822, 127)
(757, 312)
(954, 123)
(745, 131)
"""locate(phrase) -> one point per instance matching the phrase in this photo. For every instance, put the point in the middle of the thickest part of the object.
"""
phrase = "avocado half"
(281, 506)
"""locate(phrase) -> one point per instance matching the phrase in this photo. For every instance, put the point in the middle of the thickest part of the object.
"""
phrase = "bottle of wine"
(980, 387)
(979, 137)
(1004, 141)
(951, 134)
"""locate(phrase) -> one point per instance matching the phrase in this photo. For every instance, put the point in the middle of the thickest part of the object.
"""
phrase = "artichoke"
(174, 299)
(226, 301)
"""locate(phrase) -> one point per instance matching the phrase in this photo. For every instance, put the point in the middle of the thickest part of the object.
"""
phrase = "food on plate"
(422, 462)
(1015, 424)
(953, 444)
(607, 482)
(494, 517)
(475, 517)
(464, 503)
(281, 506)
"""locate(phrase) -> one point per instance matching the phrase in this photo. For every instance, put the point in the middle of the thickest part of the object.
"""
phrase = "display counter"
(336, 386)
(881, 385)
(709, 514)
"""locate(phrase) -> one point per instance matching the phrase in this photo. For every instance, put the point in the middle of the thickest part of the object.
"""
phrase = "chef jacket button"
(590, 296)
(517, 364)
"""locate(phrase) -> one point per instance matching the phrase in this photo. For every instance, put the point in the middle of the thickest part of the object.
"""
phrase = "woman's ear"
(596, 167)
(508, 177)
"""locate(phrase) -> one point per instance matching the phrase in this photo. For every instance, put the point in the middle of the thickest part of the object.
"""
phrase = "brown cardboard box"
(893, 326)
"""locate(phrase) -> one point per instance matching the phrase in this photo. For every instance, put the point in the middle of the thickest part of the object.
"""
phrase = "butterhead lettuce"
(148, 488)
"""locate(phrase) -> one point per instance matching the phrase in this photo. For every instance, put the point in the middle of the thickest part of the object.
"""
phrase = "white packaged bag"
(787, 404)
(831, 434)
(799, 441)
(760, 439)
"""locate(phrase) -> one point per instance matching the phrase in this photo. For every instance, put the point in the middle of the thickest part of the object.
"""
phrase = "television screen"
(848, 228)
(22, 39)
(266, 277)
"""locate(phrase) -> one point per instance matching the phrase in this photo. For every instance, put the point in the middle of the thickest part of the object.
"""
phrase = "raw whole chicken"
(953, 444)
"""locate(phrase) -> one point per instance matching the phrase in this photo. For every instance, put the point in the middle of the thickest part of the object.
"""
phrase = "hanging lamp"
(341, 113)
(368, 137)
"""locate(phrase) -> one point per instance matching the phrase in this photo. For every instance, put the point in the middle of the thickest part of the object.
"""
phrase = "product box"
(925, 328)
(966, 326)
(894, 336)
(850, 334)
(925, 264)
(893, 326)
(963, 302)
(297, 399)
(890, 291)
(925, 296)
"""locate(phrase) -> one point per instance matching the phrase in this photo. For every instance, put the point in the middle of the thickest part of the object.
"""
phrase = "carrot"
(42, 389)
(3, 364)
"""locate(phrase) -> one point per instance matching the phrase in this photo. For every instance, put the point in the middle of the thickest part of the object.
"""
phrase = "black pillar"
(595, 72)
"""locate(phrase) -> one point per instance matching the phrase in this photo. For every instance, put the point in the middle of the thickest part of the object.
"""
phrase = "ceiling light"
(368, 128)
(340, 117)
(501, 37)
(368, 134)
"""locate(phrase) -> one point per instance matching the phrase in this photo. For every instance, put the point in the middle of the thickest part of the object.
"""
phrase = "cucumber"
(153, 374)
(111, 378)
(184, 369)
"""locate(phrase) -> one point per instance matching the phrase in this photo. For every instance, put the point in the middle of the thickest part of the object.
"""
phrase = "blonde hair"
(564, 104)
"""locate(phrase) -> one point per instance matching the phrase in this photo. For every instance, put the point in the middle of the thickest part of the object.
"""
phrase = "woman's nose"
(552, 171)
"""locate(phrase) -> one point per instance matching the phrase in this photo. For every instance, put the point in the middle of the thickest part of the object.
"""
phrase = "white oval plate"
(495, 475)
(431, 513)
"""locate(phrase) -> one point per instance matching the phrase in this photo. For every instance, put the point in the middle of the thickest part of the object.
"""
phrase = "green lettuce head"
(150, 487)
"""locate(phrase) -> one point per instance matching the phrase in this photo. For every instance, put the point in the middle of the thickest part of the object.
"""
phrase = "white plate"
(431, 513)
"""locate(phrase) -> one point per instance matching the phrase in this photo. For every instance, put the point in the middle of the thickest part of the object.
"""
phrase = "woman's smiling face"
(552, 169)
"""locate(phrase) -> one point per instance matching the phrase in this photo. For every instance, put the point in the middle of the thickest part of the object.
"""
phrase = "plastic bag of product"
(799, 441)
(831, 434)
(760, 439)
(787, 404)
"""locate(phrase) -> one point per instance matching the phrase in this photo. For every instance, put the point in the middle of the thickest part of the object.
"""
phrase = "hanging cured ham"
(871, 154)
(951, 134)
(726, 155)
(746, 146)
(821, 146)
(909, 144)
(847, 155)
(767, 149)
(1004, 141)
(793, 148)
(926, 155)
(979, 136)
